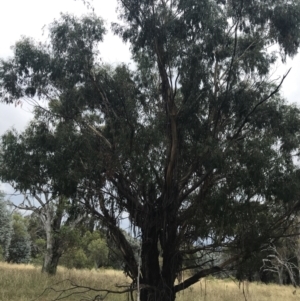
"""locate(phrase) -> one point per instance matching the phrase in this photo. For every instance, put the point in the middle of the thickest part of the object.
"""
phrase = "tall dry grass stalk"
(26, 283)
(230, 290)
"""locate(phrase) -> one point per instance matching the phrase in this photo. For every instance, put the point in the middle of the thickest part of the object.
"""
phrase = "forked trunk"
(161, 288)
(157, 281)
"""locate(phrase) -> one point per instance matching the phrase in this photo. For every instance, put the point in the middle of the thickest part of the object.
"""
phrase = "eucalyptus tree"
(24, 166)
(195, 145)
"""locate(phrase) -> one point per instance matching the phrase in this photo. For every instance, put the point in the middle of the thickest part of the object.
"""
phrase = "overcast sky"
(28, 17)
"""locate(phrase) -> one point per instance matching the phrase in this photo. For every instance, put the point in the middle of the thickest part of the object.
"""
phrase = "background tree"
(57, 224)
(195, 146)
(37, 237)
(25, 169)
(89, 251)
(280, 262)
(5, 228)
(20, 245)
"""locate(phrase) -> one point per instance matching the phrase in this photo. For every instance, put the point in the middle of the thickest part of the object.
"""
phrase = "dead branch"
(76, 289)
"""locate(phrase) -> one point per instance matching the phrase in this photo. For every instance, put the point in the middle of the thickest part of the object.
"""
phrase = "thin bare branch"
(259, 104)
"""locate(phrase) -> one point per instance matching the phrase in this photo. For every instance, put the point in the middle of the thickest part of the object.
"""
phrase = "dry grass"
(228, 290)
(26, 283)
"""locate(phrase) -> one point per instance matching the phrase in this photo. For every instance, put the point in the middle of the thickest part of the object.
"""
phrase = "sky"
(28, 17)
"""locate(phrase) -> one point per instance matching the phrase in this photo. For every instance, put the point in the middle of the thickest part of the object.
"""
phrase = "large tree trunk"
(51, 259)
(53, 248)
(150, 269)
(156, 285)
(157, 282)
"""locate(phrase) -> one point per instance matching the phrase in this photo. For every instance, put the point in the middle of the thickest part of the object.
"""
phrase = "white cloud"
(291, 85)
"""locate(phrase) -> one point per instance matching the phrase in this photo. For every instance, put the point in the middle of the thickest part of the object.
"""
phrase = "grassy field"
(26, 283)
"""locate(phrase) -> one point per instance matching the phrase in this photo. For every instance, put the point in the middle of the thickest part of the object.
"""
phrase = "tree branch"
(260, 103)
(195, 278)
(195, 186)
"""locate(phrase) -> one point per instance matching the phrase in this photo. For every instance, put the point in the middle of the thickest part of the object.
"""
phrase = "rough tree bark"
(53, 243)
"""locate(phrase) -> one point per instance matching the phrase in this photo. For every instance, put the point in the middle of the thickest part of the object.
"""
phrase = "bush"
(5, 228)
(20, 246)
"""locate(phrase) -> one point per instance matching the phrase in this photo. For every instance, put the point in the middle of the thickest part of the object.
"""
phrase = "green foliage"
(38, 250)
(196, 146)
(80, 259)
(20, 245)
(90, 251)
(37, 237)
(98, 251)
(5, 227)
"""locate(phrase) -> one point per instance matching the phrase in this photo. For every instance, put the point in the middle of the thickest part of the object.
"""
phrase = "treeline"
(23, 240)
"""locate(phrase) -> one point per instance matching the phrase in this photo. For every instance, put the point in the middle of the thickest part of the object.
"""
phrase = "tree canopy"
(195, 145)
